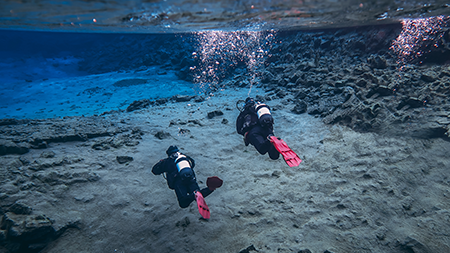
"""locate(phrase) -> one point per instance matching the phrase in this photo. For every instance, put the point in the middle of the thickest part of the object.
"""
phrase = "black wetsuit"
(255, 133)
(184, 182)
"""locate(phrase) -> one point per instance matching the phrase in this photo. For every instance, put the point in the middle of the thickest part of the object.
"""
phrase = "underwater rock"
(9, 147)
(30, 233)
(199, 99)
(101, 145)
(42, 164)
(301, 95)
(117, 141)
(248, 249)
(381, 90)
(183, 223)
(185, 74)
(412, 102)
(40, 145)
(300, 107)
(281, 93)
(319, 109)
(124, 159)
(214, 114)
(19, 208)
(429, 130)
(184, 131)
(129, 82)
(377, 62)
(428, 78)
(129, 140)
(139, 105)
(47, 154)
(181, 98)
(161, 101)
(26, 233)
(38, 133)
(183, 122)
(267, 77)
(162, 135)
(62, 177)
(8, 122)
(412, 245)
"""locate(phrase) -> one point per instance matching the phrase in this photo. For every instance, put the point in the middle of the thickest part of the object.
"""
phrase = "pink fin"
(290, 157)
(203, 209)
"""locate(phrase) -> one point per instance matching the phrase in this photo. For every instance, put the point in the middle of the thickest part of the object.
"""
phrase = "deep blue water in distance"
(68, 74)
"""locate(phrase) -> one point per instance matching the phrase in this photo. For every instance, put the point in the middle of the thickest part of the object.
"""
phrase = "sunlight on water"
(220, 52)
(417, 39)
(416, 36)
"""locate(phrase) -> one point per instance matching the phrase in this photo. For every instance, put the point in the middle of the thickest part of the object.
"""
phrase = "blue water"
(69, 74)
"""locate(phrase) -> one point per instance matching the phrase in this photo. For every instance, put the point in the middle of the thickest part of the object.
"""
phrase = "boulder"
(9, 147)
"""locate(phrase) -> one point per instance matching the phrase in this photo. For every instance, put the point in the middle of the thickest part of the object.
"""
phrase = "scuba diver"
(255, 123)
(180, 176)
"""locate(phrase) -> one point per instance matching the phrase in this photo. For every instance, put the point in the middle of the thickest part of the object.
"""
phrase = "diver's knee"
(184, 204)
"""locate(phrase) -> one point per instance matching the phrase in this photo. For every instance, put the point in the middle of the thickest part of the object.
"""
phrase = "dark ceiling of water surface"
(149, 16)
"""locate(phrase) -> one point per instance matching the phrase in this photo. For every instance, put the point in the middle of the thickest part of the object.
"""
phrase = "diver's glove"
(214, 182)
(246, 141)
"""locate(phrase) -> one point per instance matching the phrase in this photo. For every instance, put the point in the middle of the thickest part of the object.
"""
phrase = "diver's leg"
(205, 192)
(273, 153)
(258, 138)
(183, 196)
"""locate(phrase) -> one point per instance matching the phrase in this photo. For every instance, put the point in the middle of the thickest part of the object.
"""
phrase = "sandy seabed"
(353, 192)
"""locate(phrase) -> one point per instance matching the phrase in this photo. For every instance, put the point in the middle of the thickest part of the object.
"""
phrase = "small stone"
(276, 173)
(124, 159)
(427, 78)
(214, 114)
(19, 208)
(377, 62)
(300, 107)
(184, 222)
(47, 154)
(138, 105)
(162, 135)
(199, 99)
(184, 131)
(181, 98)
(248, 249)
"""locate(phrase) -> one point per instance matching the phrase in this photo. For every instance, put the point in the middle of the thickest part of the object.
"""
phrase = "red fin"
(203, 209)
(290, 157)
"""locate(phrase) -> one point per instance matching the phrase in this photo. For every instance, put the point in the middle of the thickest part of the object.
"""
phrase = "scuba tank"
(182, 162)
(264, 116)
(261, 109)
(184, 167)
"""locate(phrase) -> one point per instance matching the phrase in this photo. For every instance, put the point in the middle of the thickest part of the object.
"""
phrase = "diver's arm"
(159, 167)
